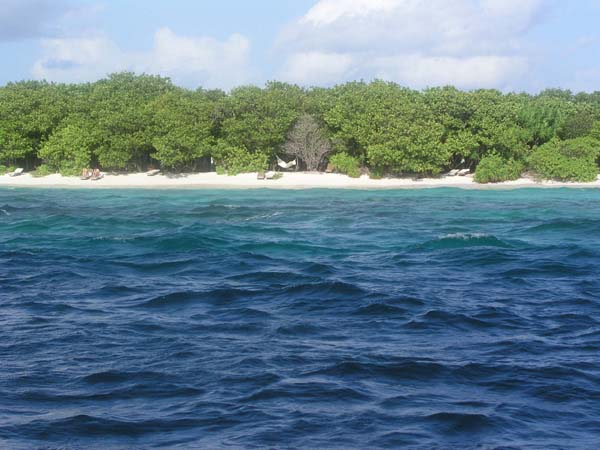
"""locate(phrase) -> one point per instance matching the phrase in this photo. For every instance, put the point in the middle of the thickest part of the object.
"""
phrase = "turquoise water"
(436, 318)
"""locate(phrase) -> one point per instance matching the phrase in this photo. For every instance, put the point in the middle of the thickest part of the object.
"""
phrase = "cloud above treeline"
(419, 43)
(188, 61)
(468, 43)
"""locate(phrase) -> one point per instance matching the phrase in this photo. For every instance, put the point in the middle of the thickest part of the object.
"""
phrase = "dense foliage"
(5, 169)
(494, 169)
(570, 160)
(130, 122)
(346, 164)
(233, 160)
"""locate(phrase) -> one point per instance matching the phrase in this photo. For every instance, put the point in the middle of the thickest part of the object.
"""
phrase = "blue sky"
(521, 45)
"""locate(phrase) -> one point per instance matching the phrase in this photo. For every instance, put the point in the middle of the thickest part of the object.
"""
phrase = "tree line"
(129, 122)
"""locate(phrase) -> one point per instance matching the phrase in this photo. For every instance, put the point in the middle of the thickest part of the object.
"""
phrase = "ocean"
(309, 319)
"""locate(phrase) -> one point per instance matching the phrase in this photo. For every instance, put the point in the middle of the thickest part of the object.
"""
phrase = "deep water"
(299, 319)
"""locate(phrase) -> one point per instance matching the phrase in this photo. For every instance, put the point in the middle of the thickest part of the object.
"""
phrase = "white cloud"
(189, 61)
(77, 59)
(328, 11)
(473, 72)
(317, 68)
(468, 43)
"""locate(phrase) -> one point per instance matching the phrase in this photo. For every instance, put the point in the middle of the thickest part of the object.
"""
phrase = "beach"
(289, 180)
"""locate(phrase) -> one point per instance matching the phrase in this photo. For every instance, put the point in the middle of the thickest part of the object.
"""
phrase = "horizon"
(511, 46)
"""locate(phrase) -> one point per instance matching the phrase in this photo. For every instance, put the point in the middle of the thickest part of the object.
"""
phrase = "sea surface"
(309, 319)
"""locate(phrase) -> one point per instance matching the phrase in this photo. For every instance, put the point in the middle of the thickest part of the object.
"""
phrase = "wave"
(131, 391)
(50, 307)
(464, 240)
(439, 318)
(566, 225)
(457, 422)
(553, 268)
(270, 277)
(84, 425)
(118, 376)
(565, 393)
(329, 288)
(316, 391)
(338, 319)
(244, 313)
(380, 309)
(187, 298)
(407, 369)
(299, 329)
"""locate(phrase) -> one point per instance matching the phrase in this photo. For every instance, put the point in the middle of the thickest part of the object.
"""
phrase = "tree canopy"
(130, 122)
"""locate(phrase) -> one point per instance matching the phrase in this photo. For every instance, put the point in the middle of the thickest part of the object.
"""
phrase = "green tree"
(183, 127)
(393, 128)
(543, 117)
(259, 119)
(121, 109)
(234, 160)
(29, 113)
(69, 149)
(595, 131)
(570, 160)
(346, 164)
(494, 127)
(578, 123)
(493, 169)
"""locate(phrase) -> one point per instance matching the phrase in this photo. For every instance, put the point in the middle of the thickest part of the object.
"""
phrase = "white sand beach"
(290, 180)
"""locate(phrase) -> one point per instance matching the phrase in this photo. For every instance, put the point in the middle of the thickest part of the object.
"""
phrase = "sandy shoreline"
(290, 180)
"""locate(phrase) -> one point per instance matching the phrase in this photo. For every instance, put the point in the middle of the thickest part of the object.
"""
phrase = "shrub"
(493, 169)
(375, 174)
(235, 160)
(595, 131)
(6, 169)
(571, 160)
(42, 171)
(67, 150)
(577, 125)
(413, 147)
(382, 159)
(346, 164)
(72, 169)
(409, 155)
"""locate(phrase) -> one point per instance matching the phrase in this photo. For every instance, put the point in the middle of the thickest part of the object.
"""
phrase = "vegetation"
(44, 170)
(67, 150)
(346, 164)
(6, 169)
(131, 122)
(570, 160)
(233, 160)
(307, 142)
(493, 169)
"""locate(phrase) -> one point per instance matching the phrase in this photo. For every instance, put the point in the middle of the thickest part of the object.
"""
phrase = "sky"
(511, 45)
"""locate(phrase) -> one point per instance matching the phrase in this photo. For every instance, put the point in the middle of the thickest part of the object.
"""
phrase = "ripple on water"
(299, 319)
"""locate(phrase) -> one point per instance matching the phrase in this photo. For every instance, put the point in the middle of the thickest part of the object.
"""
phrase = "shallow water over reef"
(299, 319)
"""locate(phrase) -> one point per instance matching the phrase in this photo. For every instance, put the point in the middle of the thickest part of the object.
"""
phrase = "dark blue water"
(299, 319)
